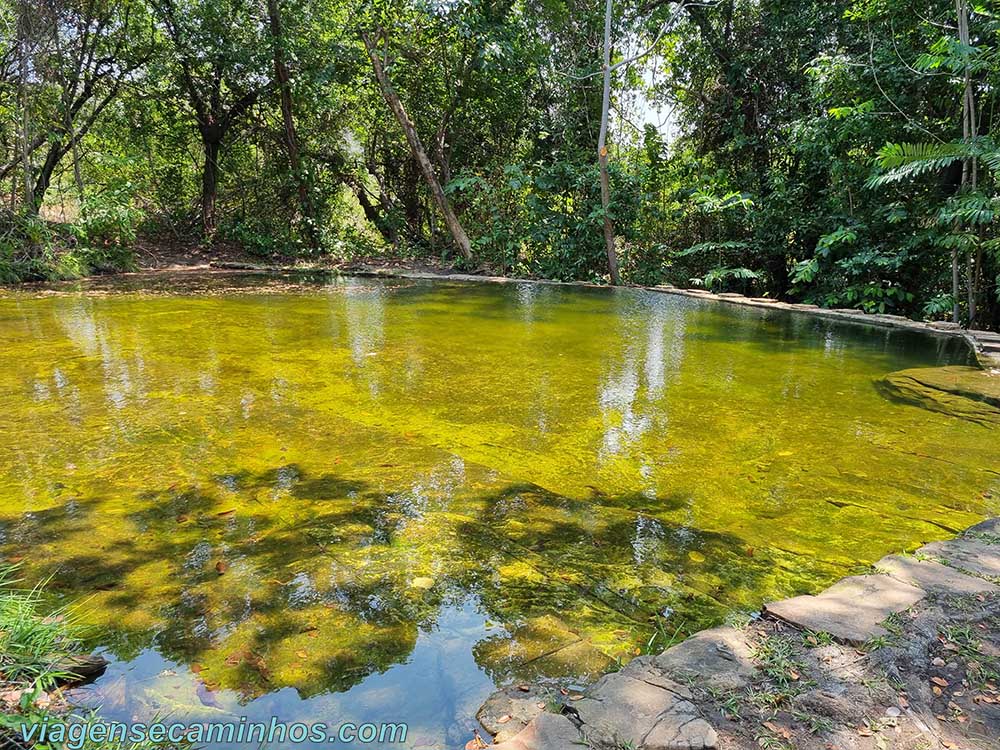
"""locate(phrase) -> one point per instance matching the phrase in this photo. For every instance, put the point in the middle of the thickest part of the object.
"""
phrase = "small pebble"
(938, 661)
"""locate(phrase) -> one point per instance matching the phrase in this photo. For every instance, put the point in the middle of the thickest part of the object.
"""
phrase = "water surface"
(372, 500)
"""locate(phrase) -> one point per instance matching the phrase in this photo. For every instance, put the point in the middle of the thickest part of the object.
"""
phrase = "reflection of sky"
(649, 419)
(436, 691)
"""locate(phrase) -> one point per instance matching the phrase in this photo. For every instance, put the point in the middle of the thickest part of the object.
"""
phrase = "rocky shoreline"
(906, 656)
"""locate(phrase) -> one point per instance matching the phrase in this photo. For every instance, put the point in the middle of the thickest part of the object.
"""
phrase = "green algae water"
(369, 500)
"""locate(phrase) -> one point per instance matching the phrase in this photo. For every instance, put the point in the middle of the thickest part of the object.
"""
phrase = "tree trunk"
(291, 141)
(22, 97)
(209, 184)
(970, 167)
(602, 151)
(44, 180)
(392, 99)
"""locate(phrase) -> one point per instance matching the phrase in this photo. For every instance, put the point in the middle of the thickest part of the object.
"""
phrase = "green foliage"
(33, 639)
(816, 150)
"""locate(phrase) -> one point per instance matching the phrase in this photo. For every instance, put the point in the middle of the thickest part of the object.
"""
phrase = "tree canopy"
(840, 152)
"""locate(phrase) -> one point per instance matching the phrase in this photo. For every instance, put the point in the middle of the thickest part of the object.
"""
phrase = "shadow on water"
(280, 578)
(384, 498)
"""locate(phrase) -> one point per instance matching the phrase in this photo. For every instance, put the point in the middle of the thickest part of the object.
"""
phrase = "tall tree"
(220, 60)
(284, 84)
(378, 59)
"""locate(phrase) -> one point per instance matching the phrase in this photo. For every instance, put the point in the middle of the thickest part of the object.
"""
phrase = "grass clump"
(34, 639)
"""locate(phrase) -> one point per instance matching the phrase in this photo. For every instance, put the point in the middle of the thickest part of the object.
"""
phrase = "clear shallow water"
(415, 491)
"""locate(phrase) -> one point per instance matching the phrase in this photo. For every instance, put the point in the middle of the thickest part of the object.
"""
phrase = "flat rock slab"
(933, 577)
(622, 711)
(850, 610)
(990, 526)
(966, 554)
(545, 732)
(718, 658)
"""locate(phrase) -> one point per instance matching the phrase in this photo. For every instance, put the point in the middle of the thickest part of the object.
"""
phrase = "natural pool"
(373, 500)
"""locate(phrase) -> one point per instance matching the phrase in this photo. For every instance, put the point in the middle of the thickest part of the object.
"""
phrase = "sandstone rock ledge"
(905, 657)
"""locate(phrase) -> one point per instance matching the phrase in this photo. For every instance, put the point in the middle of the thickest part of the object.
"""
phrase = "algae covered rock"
(964, 392)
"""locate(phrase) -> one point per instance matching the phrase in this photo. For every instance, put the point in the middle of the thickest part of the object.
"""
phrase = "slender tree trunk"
(602, 151)
(970, 167)
(22, 98)
(209, 184)
(291, 141)
(419, 153)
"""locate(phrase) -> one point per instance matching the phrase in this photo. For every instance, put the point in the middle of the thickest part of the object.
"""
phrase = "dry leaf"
(504, 719)
(940, 681)
(301, 655)
(780, 731)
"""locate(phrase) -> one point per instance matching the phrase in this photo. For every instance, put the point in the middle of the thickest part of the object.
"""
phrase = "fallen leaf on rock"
(504, 719)
(540, 704)
(940, 681)
(936, 690)
(523, 688)
(301, 655)
(476, 743)
(865, 731)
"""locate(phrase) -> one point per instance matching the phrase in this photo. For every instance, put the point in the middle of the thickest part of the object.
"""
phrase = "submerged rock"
(965, 392)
